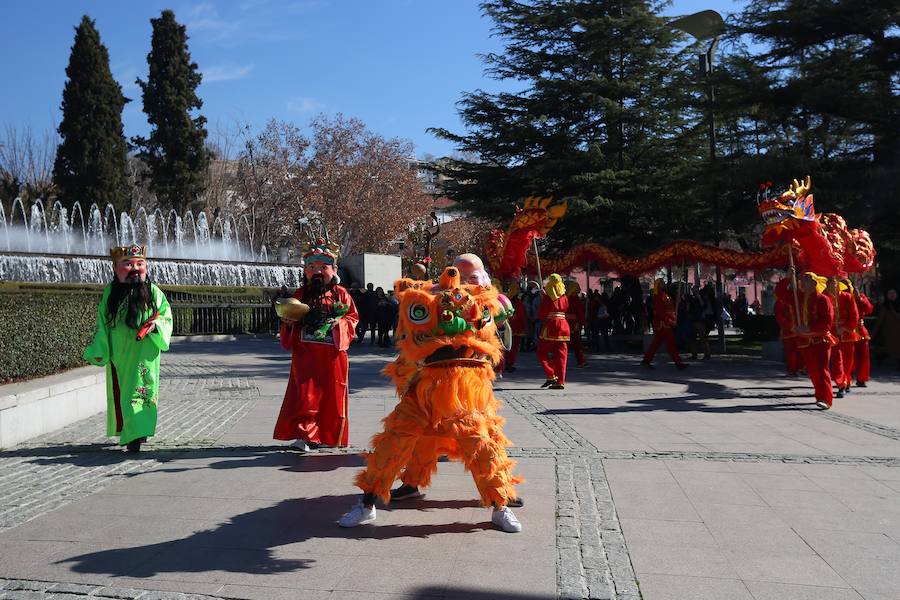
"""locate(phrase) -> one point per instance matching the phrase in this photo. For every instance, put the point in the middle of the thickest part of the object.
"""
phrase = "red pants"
(817, 357)
(660, 337)
(511, 354)
(792, 357)
(576, 345)
(844, 351)
(861, 360)
(553, 356)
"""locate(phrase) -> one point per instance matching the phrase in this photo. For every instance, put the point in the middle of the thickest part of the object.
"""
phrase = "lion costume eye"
(486, 317)
(419, 314)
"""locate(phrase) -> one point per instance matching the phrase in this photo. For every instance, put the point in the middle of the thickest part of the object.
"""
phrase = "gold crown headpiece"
(318, 246)
(133, 251)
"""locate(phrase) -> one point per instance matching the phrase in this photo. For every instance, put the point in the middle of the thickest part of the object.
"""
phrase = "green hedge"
(45, 328)
(43, 331)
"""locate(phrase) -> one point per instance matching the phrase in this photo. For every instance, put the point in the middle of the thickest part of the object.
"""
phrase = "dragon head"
(506, 251)
(785, 215)
(450, 323)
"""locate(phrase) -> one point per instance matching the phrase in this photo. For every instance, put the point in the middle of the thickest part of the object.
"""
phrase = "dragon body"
(821, 243)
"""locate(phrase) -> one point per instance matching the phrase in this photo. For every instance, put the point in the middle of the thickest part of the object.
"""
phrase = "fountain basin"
(65, 268)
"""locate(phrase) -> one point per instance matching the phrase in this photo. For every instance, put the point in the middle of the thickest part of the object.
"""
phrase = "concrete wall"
(381, 270)
(39, 406)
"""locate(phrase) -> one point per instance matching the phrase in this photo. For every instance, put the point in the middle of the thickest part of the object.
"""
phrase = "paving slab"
(718, 482)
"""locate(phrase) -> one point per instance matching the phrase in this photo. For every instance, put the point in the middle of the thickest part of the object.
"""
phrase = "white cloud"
(126, 74)
(303, 104)
(204, 18)
(225, 72)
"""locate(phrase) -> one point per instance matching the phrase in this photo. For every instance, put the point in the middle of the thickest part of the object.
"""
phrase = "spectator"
(887, 327)
(367, 316)
(384, 317)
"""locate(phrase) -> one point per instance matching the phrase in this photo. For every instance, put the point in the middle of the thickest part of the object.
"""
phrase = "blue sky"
(399, 65)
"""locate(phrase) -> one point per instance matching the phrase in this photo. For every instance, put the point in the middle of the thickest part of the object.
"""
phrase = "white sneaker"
(301, 445)
(506, 520)
(822, 405)
(358, 515)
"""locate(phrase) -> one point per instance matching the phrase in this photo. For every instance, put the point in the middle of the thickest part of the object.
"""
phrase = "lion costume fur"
(447, 342)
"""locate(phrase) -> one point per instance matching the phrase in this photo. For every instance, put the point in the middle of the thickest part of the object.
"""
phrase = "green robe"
(132, 368)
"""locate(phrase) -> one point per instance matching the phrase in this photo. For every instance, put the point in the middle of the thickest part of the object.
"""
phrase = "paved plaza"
(721, 482)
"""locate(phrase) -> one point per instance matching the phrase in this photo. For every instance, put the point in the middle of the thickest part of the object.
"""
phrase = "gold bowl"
(291, 309)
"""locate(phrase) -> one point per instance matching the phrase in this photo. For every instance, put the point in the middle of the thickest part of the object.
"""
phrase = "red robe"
(575, 317)
(517, 323)
(552, 350)
(786, 316)
(846, 320)
(315, 402)
(663, 321)
(817, 314)
(861, 346)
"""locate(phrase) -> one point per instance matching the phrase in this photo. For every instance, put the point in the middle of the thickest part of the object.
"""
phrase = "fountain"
(72, 246)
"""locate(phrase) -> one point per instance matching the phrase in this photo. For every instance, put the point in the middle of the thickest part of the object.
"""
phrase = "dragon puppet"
(823, 243)
(820, 242)
(447, 343)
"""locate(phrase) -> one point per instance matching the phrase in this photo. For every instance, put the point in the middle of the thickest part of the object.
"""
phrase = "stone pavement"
(718, 482)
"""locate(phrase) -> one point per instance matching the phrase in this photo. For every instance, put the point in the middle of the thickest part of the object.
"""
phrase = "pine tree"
(175, 151)
(831, 108)
(607, 117)
(90, 163)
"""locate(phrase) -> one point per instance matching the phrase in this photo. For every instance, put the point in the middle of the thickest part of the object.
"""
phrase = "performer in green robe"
(134, 324)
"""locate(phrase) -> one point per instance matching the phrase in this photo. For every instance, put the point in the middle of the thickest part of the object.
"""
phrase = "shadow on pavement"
(245, 543)
(461, 593)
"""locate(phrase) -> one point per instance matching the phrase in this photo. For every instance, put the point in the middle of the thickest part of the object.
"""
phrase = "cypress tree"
(175, 151)
(607, 118)
(90, 164)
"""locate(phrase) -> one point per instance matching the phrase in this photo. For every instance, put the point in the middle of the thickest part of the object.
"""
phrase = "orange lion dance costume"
(444, 375)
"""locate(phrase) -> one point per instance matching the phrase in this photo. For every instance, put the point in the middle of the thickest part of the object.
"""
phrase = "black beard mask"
(137, 299)
(313, 293)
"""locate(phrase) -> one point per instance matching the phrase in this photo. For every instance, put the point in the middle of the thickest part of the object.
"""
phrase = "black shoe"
(646, 364)
(509, 369)
(557, 386)
(861, 384)
(406, 492)
(681, 366)
(840, 393)
(134, 446)
(548, 383)
(516, 502)
(847, 389)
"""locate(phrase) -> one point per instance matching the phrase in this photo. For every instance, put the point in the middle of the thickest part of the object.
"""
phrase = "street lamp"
(431, 230)
(709, 25)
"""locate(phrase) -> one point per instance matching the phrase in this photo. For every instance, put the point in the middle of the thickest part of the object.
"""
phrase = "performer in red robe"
(575, 315)
(816, 339)
(861, 346)
(314, 411)
(518, 324)
(846, 320)
(663, 321)
(552, 349)
(786, 315)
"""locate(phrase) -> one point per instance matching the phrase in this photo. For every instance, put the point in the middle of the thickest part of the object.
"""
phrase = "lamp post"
(702, 26)
(431, 231)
